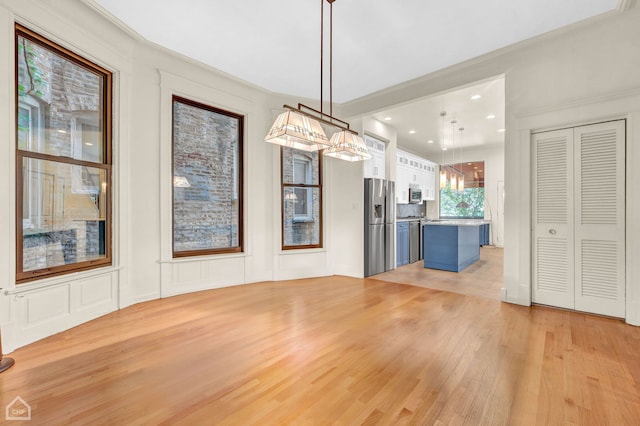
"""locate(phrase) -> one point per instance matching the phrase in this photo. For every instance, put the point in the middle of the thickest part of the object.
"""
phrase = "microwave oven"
(415, 195)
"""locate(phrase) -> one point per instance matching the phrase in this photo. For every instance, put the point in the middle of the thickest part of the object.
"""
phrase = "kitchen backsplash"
(410, 210)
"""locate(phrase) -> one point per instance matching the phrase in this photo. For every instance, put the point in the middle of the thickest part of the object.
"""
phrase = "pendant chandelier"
(444, 178)
(450, 176)
(461, 178)
(301, 128)
(454, 175)
(462, 204)
(295, 129)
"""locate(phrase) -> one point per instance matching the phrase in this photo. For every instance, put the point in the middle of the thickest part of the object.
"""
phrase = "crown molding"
(581, 102)
(115, 21)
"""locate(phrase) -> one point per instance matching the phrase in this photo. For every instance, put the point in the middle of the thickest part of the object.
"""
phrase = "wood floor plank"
(334, 350)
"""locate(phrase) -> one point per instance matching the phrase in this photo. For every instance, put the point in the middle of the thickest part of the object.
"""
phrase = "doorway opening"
(462, 126)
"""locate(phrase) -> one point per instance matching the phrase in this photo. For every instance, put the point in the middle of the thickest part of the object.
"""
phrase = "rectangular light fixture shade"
(347, 146)
(296, 130)
(443, 179)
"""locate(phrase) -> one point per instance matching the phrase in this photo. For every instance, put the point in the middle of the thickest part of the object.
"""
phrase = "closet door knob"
(552, 231)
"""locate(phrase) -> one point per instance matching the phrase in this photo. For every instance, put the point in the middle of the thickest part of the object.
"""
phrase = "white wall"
(344, 211)
(345, 200)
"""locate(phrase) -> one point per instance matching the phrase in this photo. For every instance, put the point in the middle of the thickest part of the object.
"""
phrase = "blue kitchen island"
(451, 245)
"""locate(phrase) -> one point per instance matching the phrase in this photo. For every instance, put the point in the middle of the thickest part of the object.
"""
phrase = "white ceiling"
(376, 44)
(423, 130)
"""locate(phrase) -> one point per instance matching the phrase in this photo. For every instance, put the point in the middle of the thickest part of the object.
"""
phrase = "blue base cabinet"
(450, 247)
(485, 234)
(402, 243)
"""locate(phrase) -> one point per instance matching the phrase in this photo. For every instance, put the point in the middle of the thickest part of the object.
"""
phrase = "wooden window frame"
(106, 163)
(295, 185)
(240, 182)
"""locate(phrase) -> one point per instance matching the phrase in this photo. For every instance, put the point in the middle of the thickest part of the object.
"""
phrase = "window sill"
(202, 258)
(310, 250)
(303, 220)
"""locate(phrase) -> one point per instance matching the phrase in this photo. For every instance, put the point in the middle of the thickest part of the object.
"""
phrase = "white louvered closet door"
(600, 219)
(579, 223)
(553, 276)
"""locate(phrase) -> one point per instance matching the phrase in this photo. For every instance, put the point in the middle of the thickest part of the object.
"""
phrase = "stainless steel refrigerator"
(379, 228)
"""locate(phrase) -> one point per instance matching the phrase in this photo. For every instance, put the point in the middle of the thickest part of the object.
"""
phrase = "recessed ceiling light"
(490, 116)
(444, 148)
(430, 141)
(387, 119)
(475, 97)
(500, 130)
(412, 132)
(88, 144)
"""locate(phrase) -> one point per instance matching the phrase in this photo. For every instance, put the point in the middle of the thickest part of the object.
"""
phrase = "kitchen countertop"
(408, 219)
(458, 222)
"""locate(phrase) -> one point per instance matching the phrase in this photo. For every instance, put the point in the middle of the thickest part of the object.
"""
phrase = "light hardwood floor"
(482, 278)
(333, 350)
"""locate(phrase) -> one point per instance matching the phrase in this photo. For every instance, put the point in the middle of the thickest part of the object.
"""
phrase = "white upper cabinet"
(403, 178)
(417, 172)
(375, 166)
(429, 193)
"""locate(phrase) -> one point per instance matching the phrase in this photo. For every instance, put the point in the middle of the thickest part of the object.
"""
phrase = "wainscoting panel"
(44, 306)
(97, 291)
(37, 313)
(195, 275)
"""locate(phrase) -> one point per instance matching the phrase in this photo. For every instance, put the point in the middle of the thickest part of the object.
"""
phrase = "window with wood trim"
(63, 153)
(301, 179)
(207, 179)
(462, 190)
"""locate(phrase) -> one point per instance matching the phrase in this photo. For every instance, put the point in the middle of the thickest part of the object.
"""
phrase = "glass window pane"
(25, 124)
(60, 104)
(206, 172)
(301, 229)
(63, 215)
(302, 203)
(467, 204)
(300, 167)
